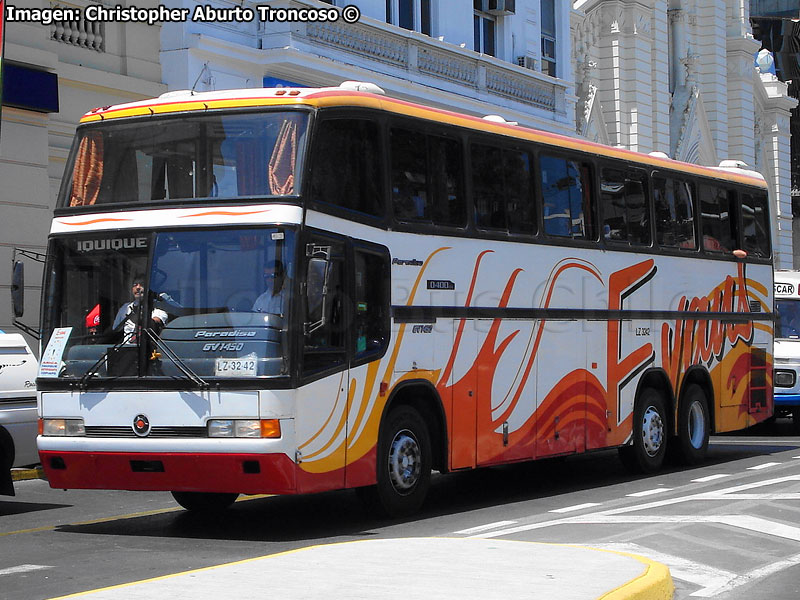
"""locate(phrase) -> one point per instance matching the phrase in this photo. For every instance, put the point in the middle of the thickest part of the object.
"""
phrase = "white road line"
(648, 492)
(710, 477)
(486, 527)
(719, 494)
(567, 509)
(23, 569)
(699, 574)
(770, 569)
(764, 466)
(713, 496)
(755, 524)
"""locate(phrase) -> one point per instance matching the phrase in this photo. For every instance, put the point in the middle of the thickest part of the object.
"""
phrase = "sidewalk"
(411, 568)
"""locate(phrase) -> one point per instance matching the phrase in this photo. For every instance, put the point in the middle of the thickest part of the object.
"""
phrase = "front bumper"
(170, 471)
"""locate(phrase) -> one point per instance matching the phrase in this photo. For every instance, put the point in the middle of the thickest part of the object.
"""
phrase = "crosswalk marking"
(23, 569)
(648, 492)
(763, 466)
(567, 509)
(487, 527)
(710, 478)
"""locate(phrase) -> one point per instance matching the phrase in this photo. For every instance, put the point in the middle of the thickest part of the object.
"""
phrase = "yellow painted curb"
(26, 474)
(654, 584)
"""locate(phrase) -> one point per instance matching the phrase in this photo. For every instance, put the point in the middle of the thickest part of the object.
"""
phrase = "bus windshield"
(186, 157)
(787, 322)
(213, 303)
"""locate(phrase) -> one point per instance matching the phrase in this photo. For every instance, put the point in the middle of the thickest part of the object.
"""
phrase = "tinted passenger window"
(674, 206)
(755, 224)
(624, 203)
(566, 197)
(345, 166)
(718, 224)
(427, 178)
(372, 302)
(501, 189)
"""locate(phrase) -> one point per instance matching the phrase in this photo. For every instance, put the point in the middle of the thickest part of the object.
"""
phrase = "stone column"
(774, 135)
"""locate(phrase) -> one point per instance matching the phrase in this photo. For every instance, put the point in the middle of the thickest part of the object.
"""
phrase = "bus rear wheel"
(646, 454)
(403, 465)
(693, 426)
(204, 501)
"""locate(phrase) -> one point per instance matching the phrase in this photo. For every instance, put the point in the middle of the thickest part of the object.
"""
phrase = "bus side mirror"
(18, 288)
(316, 293)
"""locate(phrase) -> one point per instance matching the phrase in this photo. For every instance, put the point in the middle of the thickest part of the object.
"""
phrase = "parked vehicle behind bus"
(18, 416)
(290, 291)
(787, 346)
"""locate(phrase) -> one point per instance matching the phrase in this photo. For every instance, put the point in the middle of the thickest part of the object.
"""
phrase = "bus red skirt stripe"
(242, 473)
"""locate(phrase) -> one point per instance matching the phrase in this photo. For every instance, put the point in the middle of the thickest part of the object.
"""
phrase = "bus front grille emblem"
(141, 425)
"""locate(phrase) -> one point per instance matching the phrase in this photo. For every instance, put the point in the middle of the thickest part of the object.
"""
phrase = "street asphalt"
(411, 568)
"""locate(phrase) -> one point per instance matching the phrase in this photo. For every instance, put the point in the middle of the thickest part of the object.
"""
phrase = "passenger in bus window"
(271, 300)
(128, 314)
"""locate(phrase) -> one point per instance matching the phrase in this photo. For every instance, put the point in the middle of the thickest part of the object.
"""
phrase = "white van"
(786, 375)
(18, 416)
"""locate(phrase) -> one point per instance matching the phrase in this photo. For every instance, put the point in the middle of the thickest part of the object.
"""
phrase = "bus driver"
(127, 315)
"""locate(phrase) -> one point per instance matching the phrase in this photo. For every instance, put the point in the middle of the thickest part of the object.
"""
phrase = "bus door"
(322, 398)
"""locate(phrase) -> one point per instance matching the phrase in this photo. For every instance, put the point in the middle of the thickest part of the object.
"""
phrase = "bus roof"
(349, 94)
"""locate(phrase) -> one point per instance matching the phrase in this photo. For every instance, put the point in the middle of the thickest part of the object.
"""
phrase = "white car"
(18, 416)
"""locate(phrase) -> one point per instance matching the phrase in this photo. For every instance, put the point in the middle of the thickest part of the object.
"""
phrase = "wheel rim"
(697, 425)
(405, 461)
(652, 431)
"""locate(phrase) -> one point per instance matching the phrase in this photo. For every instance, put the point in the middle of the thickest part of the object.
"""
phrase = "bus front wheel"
(693, 426)
(646, 453)
(204, 501)
(403, 465)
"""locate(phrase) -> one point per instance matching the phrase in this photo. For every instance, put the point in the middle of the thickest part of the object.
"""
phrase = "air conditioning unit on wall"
(528, 62)
(501, 7)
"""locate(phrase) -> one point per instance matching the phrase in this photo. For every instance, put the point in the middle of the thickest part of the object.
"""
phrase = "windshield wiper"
(92, 371)
(184, 368)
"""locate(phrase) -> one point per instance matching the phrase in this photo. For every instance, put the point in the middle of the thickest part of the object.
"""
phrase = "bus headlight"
(244, 428)
(784, 378)
(63, 427)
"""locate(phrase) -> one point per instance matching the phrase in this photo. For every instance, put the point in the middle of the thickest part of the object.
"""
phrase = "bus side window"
(626, 216)
(487, 187)
(502, 190)
(447, 174)
(755, 225)
(409, 176)
(345, 168)
(519, 192)
(371, 303)
(565, 195)
(716, 204)
(674, 213)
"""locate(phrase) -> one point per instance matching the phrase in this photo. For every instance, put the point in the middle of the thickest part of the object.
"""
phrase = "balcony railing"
(82, 33)
(425, 60)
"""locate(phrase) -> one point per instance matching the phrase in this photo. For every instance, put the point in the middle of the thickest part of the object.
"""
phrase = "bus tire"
(403, 465)
(693, 426)
(646, 453)
(204, 501)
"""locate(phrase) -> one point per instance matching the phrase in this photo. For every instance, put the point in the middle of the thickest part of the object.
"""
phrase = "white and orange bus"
(445, 292)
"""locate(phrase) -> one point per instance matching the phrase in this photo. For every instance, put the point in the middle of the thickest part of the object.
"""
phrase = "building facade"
(489, 57)
(59, 71)
(678, 77)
